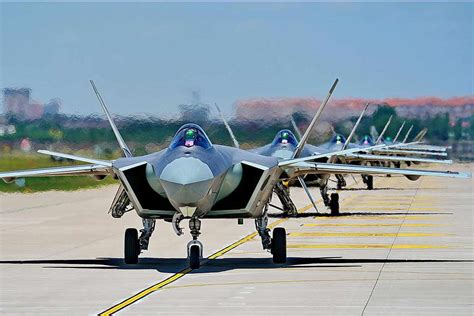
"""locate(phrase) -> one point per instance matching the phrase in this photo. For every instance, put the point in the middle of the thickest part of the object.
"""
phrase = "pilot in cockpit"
(284, 138)
(190, 136)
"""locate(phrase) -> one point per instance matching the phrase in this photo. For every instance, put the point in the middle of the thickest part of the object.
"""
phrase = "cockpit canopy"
(190, 135)
(338, 139)
(367, 141)
(285, 137)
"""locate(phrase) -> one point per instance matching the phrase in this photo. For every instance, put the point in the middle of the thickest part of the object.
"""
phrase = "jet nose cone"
(186, 181)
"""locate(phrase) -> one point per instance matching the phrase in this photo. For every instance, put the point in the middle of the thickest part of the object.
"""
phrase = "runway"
(403, 248)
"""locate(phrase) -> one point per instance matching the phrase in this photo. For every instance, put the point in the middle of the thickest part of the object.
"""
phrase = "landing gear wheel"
(334, 204)
(194, 257)
(132, 246)
(370, 182)
(279, 245)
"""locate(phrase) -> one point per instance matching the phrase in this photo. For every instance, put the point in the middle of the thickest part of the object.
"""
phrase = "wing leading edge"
(302, 168)
(82, 170)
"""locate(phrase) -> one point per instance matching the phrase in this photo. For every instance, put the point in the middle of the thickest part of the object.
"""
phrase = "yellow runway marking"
(380, 203)
(335, 234)
(370, 225)
(129, 301)
(372, 208)
(427, 209)
(366, 246)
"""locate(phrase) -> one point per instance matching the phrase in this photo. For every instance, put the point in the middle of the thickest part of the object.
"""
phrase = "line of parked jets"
(381, 152)
(193, 179)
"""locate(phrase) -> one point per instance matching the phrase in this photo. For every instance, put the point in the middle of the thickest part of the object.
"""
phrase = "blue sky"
(148, 57)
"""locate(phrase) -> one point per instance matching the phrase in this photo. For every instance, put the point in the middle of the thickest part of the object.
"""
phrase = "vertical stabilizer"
(408, 134)
(227, 126)
(125, 149)
(419, 137)
(295, 127)
(349, 138)
(316, 117)
(399, 131)
(384, 130)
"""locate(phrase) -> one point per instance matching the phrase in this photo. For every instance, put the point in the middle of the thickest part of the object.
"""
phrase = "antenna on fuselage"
(123, 145)
(304, 139)
(384, 130)
(348, 140)
(399, 131)
(227, 126)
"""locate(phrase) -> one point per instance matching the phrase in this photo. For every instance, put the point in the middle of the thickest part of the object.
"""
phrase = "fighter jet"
(195, 179)
(338, 149)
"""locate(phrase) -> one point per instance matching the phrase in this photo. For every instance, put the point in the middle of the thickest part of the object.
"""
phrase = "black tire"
(194, 257)
(279, 245)
(370, 182)
(132, 246)
(334, 204)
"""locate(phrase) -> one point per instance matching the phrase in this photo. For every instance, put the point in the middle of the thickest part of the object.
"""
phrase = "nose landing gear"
(195, 248)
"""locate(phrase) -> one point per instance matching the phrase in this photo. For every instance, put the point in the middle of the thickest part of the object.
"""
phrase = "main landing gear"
(334, 204)
(341, 182)
(369, 181)
(283, 193)
(133, 245)
(331, 202)
(277, 244)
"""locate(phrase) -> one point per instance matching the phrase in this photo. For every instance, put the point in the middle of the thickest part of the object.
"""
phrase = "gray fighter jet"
(194, 179)
(338, 149)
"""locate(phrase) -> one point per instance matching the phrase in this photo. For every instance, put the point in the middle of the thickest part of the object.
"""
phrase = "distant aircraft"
(195, 179)
(341, 150)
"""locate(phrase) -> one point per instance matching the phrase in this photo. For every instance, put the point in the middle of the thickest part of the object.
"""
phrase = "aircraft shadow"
(174, 265)
(343, 214)
(374, 189)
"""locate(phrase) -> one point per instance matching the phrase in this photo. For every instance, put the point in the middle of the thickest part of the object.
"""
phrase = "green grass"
(10, 162)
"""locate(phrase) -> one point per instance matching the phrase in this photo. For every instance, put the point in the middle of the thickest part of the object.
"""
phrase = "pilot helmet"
(285, 137)
(366, 140)
(190, 137)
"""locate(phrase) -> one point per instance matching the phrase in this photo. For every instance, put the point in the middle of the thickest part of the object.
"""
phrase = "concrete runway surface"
(404, 248)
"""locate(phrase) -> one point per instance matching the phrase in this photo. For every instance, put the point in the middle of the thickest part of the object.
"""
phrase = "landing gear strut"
(148, 228)
(261, 226)
(341, 182)
(194, 246)
(277, 244)
(324, 194)
(133, 245)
